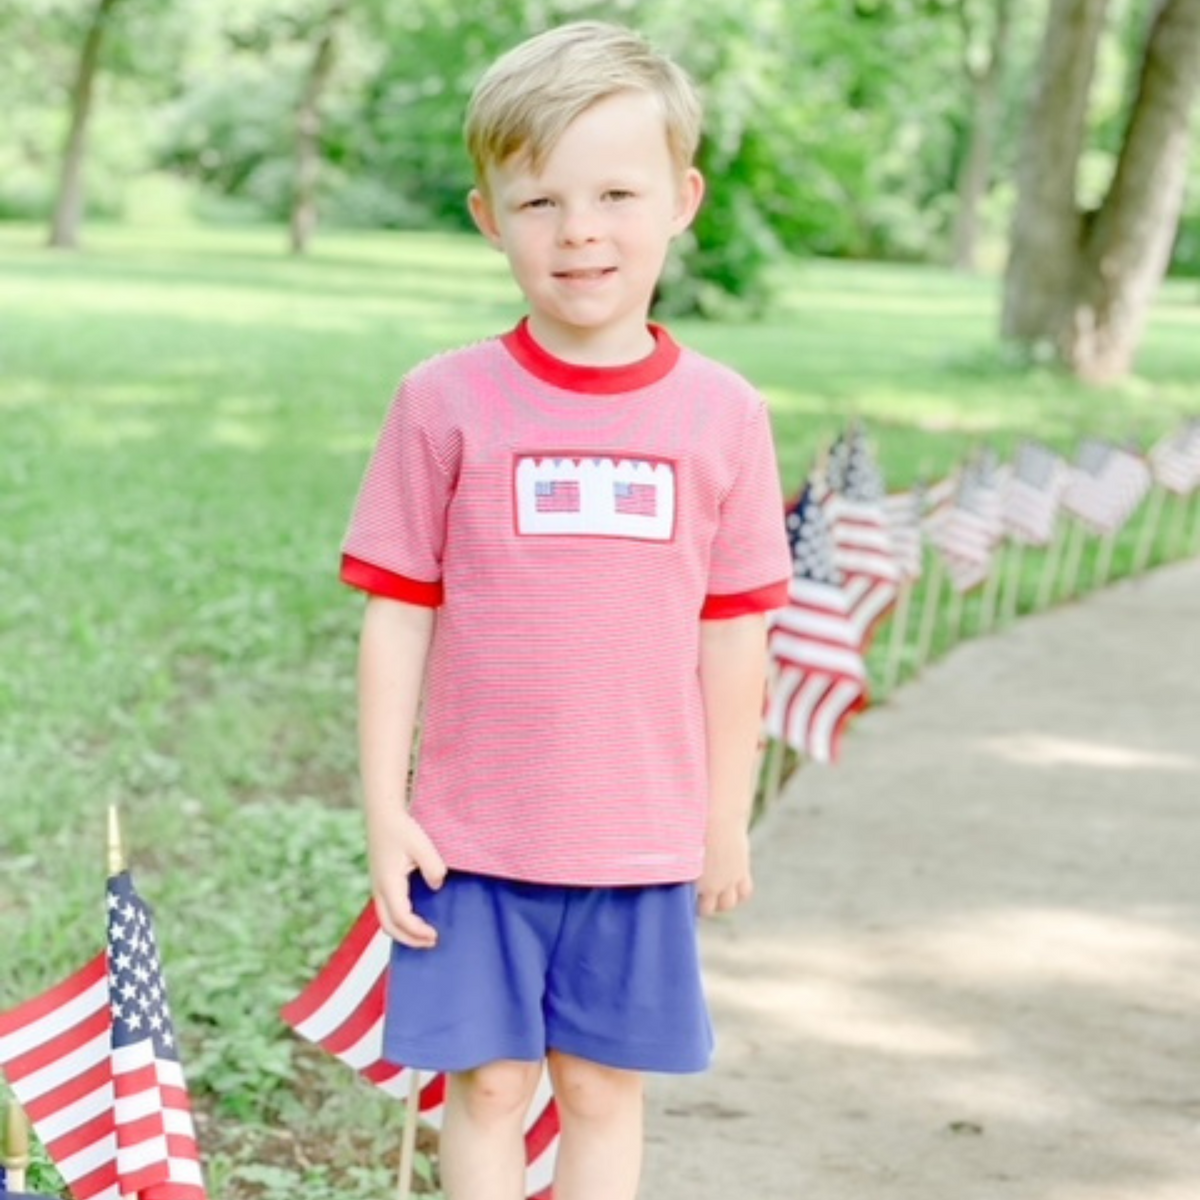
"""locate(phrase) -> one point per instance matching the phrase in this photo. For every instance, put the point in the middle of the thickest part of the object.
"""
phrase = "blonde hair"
(528, 97)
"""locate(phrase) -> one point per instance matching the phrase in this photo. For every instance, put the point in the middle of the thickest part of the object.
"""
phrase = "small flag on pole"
(1032, 494)
(1107, 484)
(342, 1011)
(967, 531)
(95, 1064)
(863, 552)
(1175, 461)
(819, 679)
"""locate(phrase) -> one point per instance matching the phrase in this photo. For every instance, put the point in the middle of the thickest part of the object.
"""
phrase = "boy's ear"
(691, 193)
(484, 217)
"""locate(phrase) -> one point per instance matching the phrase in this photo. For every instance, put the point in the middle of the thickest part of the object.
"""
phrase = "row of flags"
(94, 1061)
(857, 550)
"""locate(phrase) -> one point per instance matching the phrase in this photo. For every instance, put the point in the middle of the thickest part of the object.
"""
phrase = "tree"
(1079, 283)
(984, 59)
(308, 127)
(68, 205)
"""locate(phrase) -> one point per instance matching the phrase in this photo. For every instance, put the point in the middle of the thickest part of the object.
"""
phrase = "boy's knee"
(497, 1090)
(590, 1090)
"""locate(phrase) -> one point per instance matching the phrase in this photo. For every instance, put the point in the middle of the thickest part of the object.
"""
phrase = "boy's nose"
(576, 226)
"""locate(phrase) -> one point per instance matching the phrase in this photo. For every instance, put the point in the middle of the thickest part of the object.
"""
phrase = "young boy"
(570, 535)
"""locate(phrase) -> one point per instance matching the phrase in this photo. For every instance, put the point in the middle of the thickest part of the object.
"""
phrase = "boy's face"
(587, 235)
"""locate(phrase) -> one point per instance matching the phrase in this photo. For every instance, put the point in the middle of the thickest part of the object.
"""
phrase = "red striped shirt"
(563, 739)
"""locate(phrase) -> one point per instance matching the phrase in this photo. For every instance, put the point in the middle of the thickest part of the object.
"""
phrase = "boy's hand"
(725, 881)
(396, 851)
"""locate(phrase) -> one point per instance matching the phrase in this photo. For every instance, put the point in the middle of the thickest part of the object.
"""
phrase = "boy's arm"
(391, 671)
(733, 665)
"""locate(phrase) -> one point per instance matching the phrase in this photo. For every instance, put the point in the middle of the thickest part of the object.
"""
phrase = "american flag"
(1032, 494)
(967, 531)
(556, 496)
(636, 499)
(1175, 461)
(862, 547)
(903, 512)
(95, 1065)
(342, 1011)
(819, 680)
(1106, 484)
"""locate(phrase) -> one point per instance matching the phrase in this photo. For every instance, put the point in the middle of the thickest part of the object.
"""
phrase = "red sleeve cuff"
(381, 582)
(742, 604)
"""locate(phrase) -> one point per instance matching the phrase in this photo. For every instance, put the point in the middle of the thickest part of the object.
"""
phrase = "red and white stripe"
(819, 679)
(1175, 461)
(863, 552)
(1104, 491)
(55, 1051)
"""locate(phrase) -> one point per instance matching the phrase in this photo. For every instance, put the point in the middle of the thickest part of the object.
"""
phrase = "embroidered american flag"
(94, 1063)
(556, 496)
(636, 499)
(342, 1010)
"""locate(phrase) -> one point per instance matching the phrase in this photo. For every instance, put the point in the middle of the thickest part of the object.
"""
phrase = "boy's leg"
(482, 1145)
(600, 1148)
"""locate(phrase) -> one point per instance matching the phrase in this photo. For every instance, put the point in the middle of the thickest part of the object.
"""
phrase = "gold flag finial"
(116, 851)
(16, 1146)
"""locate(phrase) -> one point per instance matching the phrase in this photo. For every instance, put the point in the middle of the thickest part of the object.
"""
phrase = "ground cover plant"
(184, 418)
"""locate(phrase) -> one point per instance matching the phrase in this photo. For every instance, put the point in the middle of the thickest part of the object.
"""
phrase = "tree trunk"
(975, 175)
(1128, 247)
(68, 206)
(308, 131)
(1047, 224)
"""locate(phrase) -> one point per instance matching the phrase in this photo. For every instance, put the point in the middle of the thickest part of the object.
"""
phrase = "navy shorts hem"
(453, 1056)
(655, 1059)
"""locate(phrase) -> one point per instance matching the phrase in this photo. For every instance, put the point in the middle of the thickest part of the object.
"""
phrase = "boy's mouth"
(582, 274)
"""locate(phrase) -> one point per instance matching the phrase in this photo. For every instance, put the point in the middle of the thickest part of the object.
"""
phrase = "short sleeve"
(398, 526)
(751, 562)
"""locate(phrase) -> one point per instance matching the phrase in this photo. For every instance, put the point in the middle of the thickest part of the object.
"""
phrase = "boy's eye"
(618, 194)
(537, 202)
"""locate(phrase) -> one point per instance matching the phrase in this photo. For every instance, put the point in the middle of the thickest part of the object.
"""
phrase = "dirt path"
(972, 968)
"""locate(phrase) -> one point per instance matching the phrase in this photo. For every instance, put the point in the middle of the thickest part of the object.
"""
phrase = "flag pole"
(1173, 541)
(929, 611)
(1149, 531)
(990, 602)
(770, 774)
(898, 638)
(116, 850)
(16, 1146)
(1074, 559)
(1045, 592)
(408, 1139)
(1104, 559)
(1012, 582)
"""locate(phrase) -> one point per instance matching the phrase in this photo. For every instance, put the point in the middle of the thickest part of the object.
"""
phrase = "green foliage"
(834, 128)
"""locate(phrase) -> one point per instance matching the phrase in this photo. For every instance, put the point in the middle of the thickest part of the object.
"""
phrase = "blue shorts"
(607, 974)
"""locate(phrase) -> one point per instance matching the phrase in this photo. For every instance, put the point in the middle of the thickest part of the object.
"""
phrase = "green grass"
(184, 418)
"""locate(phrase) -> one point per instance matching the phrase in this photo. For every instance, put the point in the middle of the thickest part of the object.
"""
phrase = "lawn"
(184, 418)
